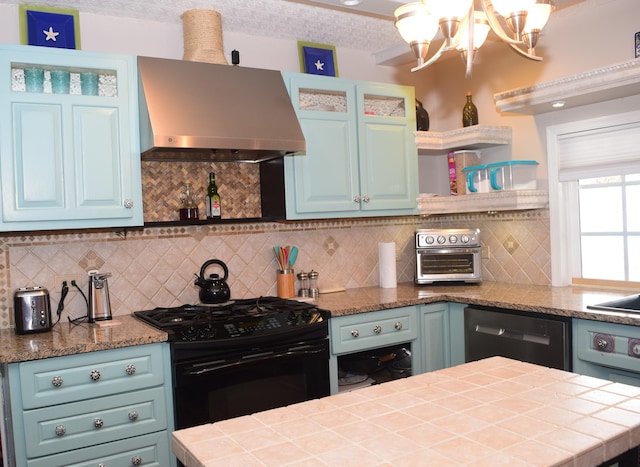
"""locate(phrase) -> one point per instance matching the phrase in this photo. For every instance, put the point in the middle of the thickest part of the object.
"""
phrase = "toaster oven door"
(448, 264)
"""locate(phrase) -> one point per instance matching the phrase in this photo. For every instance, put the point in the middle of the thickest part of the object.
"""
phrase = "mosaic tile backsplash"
(155, 266)
(238, 185)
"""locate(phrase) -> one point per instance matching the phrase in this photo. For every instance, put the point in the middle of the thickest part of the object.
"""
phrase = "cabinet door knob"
(366, 198)
(398, 326)
(357, 199)
(98, 422)
(102, 465)
(128, 203)
(131, 369)
(61, 430)
(95, 375)
(377, 329)
(57, 381)
(355, 333)
(133, 415)
(136, 460)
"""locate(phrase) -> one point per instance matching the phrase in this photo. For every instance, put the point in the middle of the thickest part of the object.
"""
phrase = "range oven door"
(448, 264)
(214, 388)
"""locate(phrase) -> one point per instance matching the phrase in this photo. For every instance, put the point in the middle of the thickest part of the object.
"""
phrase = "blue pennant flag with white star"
(51, 29)
(318, 61)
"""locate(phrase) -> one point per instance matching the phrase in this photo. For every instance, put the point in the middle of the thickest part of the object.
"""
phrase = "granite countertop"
(563, 301)
(68, 339)
(495, 411)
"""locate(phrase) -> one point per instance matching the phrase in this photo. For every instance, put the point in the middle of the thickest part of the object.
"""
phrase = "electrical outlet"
(67, 277)
(485, 253)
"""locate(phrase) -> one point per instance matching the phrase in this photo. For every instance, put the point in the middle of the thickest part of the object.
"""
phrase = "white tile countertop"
(495, 411)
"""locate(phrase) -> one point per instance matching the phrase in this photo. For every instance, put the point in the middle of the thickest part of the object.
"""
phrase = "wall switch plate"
(66, 277)
(485, 253)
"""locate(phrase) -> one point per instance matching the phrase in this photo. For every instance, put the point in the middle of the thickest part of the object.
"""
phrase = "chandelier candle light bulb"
(418, 23)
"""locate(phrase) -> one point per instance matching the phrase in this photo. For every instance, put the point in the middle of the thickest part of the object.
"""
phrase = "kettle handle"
(214, 261)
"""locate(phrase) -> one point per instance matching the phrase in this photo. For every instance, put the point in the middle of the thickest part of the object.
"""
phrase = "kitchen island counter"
(495, 411)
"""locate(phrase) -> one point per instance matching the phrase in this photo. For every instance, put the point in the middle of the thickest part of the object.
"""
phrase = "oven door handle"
(258, 357)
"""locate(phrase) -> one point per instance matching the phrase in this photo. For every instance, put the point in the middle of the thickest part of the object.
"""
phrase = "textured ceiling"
(287, 19)
(271, 18)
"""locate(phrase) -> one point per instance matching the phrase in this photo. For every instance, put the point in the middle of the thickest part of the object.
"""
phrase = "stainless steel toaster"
(32, 310)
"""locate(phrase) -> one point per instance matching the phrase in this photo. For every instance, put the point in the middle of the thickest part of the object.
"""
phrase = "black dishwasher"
(529, 337)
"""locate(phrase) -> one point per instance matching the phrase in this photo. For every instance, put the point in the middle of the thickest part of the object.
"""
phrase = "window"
(610, 227)
(594, 199)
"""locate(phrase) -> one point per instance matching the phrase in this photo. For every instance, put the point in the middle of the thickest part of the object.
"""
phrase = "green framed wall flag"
(49, 27)
(317, 59)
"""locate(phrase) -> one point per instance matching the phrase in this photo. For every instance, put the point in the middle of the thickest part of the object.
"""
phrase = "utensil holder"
(285, 283)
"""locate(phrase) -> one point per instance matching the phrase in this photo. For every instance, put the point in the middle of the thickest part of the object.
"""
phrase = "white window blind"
(598, 152)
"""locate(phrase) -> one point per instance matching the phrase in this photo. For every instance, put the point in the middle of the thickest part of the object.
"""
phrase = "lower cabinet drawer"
(84, 376)
(373, 329)
(65, 427)
(150, 450)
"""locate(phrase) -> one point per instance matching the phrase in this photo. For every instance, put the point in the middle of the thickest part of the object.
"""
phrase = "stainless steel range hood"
(203, 111)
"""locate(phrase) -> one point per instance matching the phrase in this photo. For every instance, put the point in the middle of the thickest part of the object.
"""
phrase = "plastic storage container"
(477, 179)
(512, 175)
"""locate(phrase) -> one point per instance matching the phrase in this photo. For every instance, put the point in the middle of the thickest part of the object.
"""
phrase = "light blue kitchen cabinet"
(456, 333)
(361, 157)
(69, 160)
(98, 408)
(434, 336)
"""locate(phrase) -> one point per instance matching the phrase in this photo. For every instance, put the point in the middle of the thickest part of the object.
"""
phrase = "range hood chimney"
(211, 112)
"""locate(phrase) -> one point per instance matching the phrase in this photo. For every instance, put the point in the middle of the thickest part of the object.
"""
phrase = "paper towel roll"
(387, 265)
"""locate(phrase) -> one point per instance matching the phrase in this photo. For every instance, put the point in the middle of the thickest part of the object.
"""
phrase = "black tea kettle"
(213, 289)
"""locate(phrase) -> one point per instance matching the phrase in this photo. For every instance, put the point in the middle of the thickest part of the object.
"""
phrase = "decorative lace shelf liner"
(599, 85)
(473, 137)
(484, 202)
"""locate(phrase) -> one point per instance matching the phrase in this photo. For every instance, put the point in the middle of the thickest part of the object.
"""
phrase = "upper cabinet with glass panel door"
(69, 145)
(361, 158)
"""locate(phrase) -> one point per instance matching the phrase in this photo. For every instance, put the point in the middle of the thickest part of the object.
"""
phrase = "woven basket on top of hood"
(202, 31)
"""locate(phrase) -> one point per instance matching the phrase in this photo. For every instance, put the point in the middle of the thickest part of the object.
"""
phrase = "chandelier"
(465, 29)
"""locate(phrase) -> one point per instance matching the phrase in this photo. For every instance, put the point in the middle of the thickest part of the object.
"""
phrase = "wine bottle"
(213, 198)
(469, 112)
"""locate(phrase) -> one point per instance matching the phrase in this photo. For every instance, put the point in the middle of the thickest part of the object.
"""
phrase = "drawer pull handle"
(355, 333)
(133, 415)
(98, 423)
(398, 326)
(377, 329)
(57, 381)
(102, 465)
(95, 375)
(131, 369)
(136, 460)
(61, 430)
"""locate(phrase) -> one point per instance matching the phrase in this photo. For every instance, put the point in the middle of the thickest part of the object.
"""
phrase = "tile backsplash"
(155, 266)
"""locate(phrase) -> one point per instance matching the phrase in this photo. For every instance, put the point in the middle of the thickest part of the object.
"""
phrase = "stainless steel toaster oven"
(448, 255)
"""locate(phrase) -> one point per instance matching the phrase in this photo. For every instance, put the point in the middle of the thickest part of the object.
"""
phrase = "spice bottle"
(469, 113)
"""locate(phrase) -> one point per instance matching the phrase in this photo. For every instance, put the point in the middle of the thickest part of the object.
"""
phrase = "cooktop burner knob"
(464, 238)
(189, 334)
(307, 315)
(453, 239)
(292, 318)
(441, 239)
